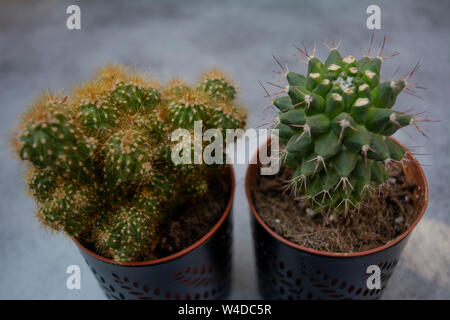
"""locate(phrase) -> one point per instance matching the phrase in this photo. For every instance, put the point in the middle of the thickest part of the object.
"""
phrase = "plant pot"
(200, 271)
(289, 271)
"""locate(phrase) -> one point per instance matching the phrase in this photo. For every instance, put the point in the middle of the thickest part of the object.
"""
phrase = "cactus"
(70, 207)
(217, 86)
(50, 138)
(99, 158)
(188, 109)
(41, 183)
(131, 234)
(335, 124)
(127, 158)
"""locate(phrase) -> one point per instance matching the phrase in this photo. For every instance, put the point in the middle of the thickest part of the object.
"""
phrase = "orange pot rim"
(180, 253)
(421, 175)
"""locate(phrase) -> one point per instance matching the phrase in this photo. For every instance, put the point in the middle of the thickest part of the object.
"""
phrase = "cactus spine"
(99, 159)
(336, 124)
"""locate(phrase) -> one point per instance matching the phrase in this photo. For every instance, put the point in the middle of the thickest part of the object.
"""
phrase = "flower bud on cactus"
(336, 123)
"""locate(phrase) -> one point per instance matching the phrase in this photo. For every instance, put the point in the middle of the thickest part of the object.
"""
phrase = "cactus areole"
(99, 159)
(336, 122)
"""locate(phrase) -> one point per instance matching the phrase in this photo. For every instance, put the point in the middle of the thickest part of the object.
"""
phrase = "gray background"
(180, 39)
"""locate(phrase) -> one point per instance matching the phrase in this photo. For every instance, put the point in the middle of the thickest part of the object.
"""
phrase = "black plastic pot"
(200, 271)
(290, 271)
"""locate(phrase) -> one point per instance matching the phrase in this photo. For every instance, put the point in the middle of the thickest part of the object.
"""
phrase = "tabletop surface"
(180, 38)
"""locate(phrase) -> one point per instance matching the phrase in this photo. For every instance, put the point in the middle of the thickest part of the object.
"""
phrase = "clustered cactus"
(335, 124)
(99, 159)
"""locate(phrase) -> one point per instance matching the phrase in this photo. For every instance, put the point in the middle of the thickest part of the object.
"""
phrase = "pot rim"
(180, 253)
(421, 176)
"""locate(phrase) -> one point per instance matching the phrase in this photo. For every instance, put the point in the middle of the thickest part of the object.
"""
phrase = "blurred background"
(182, 38)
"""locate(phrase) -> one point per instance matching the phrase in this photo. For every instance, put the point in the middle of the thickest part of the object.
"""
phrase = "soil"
(191, 221)
(382, 218)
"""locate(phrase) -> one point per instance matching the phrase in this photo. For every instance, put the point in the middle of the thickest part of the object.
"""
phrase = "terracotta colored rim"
(421, 176)
(178, 254)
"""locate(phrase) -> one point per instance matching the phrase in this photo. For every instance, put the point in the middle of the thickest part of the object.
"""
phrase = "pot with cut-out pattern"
(200, 271)
(286, 270)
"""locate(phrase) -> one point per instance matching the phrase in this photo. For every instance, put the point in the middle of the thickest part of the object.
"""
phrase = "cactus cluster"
(335, 124)
(99, 158)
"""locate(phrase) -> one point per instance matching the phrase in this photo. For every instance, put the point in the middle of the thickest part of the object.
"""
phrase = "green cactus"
(97, 117)
(50, 139)
(100, 158)
(176, 88)
(70, 207)
(131, 234)
(335, 124)
(223, 117)
(41, 183)
(134, 98)
(217, 86)
(186, 112)
(127, 158)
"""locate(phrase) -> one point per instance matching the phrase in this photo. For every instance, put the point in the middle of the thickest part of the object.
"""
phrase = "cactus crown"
(99, 159)
(336, 124)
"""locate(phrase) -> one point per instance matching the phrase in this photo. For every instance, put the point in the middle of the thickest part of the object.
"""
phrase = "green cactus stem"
(336, 122)
(50, 140)
(127, 158)
(70, 208)
(100, 157)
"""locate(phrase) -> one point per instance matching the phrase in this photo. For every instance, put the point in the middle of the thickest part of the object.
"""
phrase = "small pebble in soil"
(310, 212)
(399, 220)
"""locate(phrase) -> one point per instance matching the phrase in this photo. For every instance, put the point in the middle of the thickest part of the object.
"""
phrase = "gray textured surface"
(180, 38)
